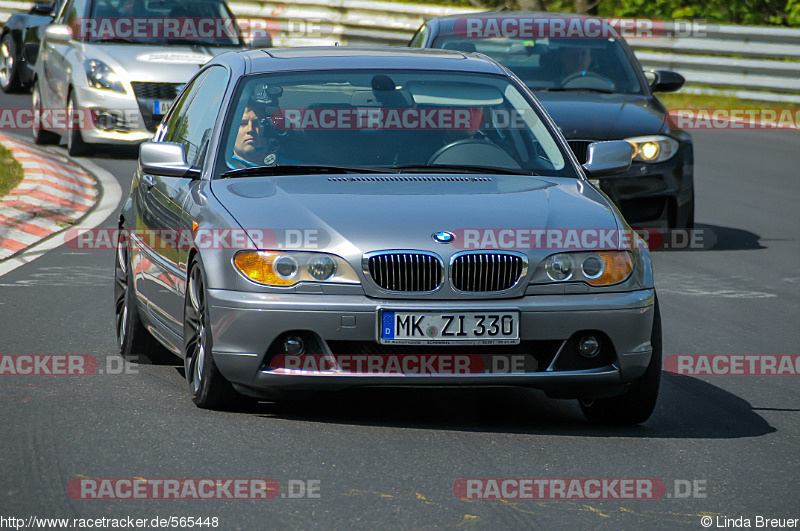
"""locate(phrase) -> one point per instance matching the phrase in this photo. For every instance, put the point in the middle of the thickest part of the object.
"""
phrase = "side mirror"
(608, 158)
(58, 33)
(165, 158)
(42, 9)
(261, 39)
(666, 81)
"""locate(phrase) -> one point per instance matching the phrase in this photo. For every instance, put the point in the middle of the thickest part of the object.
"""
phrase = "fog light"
(293, 346)
(588, 346)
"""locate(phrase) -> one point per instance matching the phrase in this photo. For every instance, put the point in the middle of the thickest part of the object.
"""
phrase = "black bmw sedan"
(590, 82)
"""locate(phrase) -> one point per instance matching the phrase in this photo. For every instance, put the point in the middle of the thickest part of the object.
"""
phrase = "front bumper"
(245, 325)
(128, 127)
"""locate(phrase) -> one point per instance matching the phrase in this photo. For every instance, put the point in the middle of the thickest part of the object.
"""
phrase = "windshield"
(393, 120)
(557, 64)
(186, 22)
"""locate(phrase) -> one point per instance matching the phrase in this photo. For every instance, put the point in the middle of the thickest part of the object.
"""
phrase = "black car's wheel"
(76, 147)
(134, 342)
(207, 386)
(638, 403)
(40, 136)
(9, 72)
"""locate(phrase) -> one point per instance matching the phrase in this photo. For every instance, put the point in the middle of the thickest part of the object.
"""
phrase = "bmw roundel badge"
(444, 237)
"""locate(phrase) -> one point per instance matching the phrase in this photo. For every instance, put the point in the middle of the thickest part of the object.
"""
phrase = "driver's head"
(250, 139)
(575, 59)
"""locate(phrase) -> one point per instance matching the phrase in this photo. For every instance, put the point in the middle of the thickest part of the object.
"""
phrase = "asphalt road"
(390, 458)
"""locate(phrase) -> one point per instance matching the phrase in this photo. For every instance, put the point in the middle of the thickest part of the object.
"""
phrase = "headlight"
(100, 75)
(600, 268)
(653, 148)
(287, 268)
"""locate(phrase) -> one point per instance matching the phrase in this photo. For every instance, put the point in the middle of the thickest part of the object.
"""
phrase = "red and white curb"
(56, 193)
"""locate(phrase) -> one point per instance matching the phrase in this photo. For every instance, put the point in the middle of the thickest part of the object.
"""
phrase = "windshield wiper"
(114, 39)
(578, 89)
(458, 168)
(298, 169)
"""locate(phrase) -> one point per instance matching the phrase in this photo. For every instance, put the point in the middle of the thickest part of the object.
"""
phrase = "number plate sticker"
(449, 328)
(161, 107)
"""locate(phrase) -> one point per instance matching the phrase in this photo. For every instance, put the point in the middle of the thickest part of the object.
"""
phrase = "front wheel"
(638, 403)
(207, 386)
(40, 135)
(76, 147)
(9, 70)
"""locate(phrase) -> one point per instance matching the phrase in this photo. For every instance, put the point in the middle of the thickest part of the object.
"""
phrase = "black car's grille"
(402, 271)
(486, 271)
(580, 148)
(155, 91)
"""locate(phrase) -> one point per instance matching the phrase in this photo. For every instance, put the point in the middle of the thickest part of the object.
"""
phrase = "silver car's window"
(387, 119)
(194, 122)
(72, 10)
(553, 64)
(146, 11)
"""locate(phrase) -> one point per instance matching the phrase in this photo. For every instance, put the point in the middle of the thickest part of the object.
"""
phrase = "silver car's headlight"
(597, 268)
(656, 148)
(101, 76)
(287, 268)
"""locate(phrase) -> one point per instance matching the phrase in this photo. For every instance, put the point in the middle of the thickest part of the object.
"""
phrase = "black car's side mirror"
(608, 158)
(666, 81)
(167, 159)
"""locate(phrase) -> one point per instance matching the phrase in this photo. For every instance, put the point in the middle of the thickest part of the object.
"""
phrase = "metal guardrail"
(752, 62)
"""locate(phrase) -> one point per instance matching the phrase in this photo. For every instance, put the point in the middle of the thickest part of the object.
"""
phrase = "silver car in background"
(116, 80)
(327, 218)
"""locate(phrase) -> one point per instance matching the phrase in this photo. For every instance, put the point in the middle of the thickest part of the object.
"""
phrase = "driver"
(575, 61)
(250, 146)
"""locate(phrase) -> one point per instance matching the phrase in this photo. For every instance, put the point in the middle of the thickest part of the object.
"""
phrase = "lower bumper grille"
(147, 93)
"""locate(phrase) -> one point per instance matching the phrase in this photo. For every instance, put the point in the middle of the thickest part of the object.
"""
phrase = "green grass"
(11, 172)
(691, 101)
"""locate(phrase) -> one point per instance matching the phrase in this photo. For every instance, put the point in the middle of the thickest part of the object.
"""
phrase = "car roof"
(360, 58)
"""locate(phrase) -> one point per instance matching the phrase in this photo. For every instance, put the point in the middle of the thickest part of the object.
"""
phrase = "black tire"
(9, 65)
(40, 136)
(134, 342)
(76, 147)
(638, 403)
(207, 386)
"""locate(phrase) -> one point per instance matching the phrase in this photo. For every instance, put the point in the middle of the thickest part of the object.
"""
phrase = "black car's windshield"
(396, 120)
(182, 22)
(594, 65)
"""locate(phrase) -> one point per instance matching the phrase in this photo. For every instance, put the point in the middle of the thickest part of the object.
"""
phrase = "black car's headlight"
(287, 268)
(101, 76)
(599, 268)
(656, 148)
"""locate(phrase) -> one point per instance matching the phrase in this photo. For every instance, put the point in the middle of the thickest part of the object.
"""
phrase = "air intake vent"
(405, 271)
(481, 272)
(580, 148)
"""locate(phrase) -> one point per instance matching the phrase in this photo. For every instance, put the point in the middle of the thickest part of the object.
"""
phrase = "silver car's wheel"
(638, 403)
(9, 76)
(75, 144)
(41, 136)
(207, 386)
(134, 342)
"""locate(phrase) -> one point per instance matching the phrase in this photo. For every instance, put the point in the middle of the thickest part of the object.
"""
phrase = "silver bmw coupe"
(327, 218)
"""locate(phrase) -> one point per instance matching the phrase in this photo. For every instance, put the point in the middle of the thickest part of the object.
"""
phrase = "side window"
(419, 38)
(72, 10)
(194, 121)
(167, 128)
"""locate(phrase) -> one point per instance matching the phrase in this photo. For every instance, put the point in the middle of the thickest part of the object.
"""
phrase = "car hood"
(364, 213)
(173, 63)
(595, 116)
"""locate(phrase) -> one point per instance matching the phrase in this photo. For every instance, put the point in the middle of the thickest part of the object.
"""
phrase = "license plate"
(161, 107)
(450, 328)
